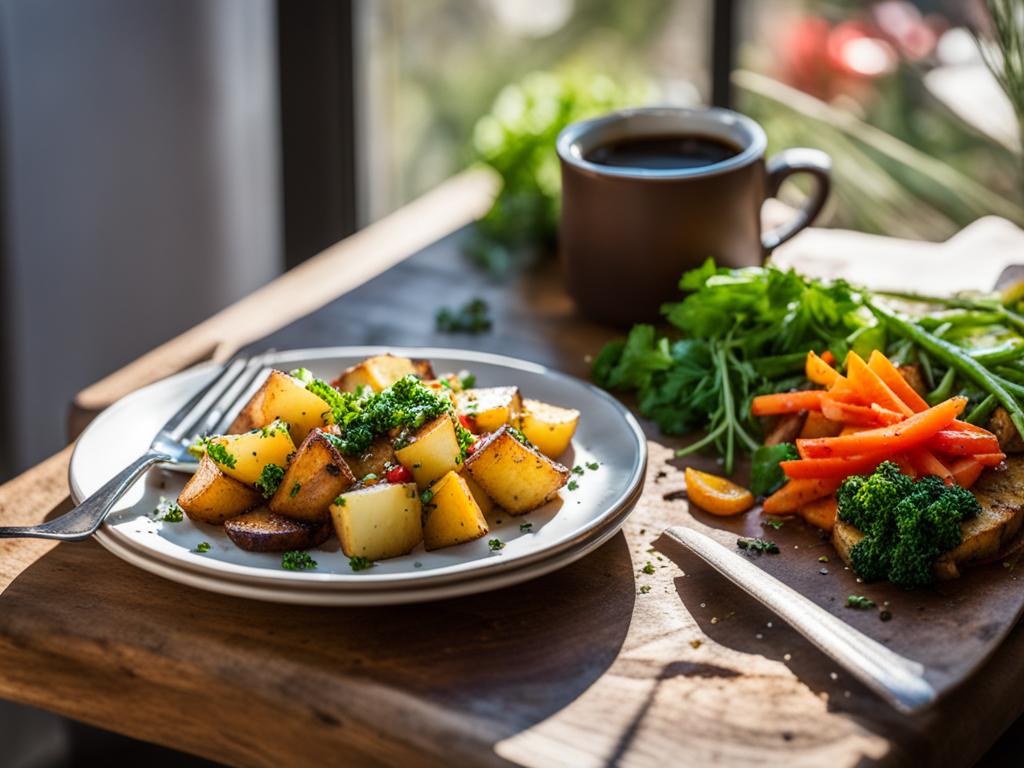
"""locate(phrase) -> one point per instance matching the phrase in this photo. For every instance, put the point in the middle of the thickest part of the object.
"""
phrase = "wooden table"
(578, 668)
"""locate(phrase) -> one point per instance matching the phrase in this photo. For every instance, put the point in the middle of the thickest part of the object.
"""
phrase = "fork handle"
(82, 521)
(896, 678)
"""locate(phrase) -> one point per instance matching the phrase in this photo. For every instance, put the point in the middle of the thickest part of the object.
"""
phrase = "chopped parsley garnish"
(859, 602)
(577, 470)
(465, 438)
(202, 547)
(272, 428)
(370, 477)
(168, 511)
(774, 524)
(302, 374)
(593, 466)
(270, 478)
(297, 561)
(518, 435)
(340, 501)
(219, 453)
(295, 490)
(573, 485)
(648, 568)
(496, 545)
(525, 527)
(345, 406)
(468, 379)
(359, 563)
(644, 589)
(471, 317)
(760, 546)
(426, 496)
(823, 559)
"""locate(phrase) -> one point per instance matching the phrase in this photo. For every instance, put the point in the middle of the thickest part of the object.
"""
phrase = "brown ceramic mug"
(628, 233)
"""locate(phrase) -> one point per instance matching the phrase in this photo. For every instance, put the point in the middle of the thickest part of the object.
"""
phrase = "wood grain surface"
(578, 668)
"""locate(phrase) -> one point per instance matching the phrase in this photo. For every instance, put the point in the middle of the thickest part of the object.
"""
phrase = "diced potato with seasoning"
(260, 530)
(549, 427)
(212, 497)
(431, 451)
(244, 456)
(451, 515)
(379, 521)
(374, 461)
(286, 398)
(485, 502)
(377, 373)
(314, 478)
(488, 408)
(518, 477)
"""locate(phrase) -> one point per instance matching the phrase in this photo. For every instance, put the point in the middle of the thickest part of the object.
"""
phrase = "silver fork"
(205, 411)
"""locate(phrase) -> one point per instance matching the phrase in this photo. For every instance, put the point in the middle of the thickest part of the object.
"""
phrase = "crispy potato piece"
(519, 478)
(423, 368)
(379, 521)
(913, 376)
(314, 478)
(786, 428)
(549, 427)
(375, 461)
(377, 373)
(432, 451)
(263, 531)
(452, 515)
(1009, 438)
(488, 408)
(485, 502)
(286, 398)
(252, 451)
(212, 497)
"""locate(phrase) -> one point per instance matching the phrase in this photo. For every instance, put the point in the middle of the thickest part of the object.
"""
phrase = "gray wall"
(139, 162)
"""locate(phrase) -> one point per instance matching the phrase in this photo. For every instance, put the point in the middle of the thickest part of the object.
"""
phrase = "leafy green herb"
(496, 544)
(340, 501)
(518, 435)
(168, 511)
(823, 559)
(593, 466)
(202, 547)
(648, 568)
(219, 453)
(766, 475)
(295, 490)
(645, 588)
(297, 561)
(774, 524)
(426, 496)
(577, 470)
(467, 379)
(758, 546)
(269, 480)
(471, 317)
(572, 485)
(525, 527)
(359, 563)
(272, 428)
(859, 602)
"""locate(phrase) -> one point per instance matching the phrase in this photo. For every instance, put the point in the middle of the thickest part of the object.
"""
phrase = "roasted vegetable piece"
(378, 522)
(488, 408)
(799, 493)
(377, 373)
(715, 494)
(286, 398)
(451, 516)
(549, 427)
(263, 531)
(820, 513)
(212, 497)
(244, 456)
(517, 476)
(314, 478)
(431, 451)
(485, 502)
(373, 461)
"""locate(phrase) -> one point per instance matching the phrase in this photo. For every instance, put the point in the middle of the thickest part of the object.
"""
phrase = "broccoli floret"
(907, 525)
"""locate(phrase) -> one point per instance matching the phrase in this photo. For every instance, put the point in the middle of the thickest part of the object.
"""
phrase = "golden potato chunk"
(451, 516)
(432, 451)
(488, 408)
(314, 478)
(549, 427)
(485, 502)
(244, 456)
(379, 521)
(286, 398)
(212, 497)
(377, 373)
(263, 531)
(374, 461)
(519, 478)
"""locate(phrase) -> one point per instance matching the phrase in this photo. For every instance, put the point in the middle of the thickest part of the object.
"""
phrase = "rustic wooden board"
(577, 668)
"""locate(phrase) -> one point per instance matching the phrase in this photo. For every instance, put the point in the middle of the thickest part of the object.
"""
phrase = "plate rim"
(613, 516)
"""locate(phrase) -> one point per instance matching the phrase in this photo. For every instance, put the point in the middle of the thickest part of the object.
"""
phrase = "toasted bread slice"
(1001, 495)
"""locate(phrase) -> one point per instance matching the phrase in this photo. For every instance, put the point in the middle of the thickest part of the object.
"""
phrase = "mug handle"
(783, 165)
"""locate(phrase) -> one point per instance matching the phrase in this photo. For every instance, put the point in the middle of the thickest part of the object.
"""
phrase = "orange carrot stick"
(871, 387)
(819, 371)
(926, 463)
(796, 493)
(890, 439)
(786, 402)
(818, 425)
(961, 442)
(839, 467)
(821, 513)
(887, 372)
(859, 415)
(990, 459)
(966, 471)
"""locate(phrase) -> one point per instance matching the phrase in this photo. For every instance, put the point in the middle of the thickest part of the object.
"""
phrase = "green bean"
(965, 317)
(980, 413)
(1010, 374)
(945, 388)
(955, 357)
(926, 370)
(944, 301)
(1006, 352)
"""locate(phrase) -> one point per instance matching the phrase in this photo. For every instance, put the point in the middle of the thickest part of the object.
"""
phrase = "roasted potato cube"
(423, 368)
(451, 516)
(549, 427)
(519, 478)
(488, 408)
(432, 451)
(377, 373)
(286, 398)
(375, 461)
(485, 502)
(379, 521)
(263, 531)
(314, 478)
(244, 456)
(212, 497)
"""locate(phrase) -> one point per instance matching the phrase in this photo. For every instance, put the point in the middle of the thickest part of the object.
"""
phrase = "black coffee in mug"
(663, 152)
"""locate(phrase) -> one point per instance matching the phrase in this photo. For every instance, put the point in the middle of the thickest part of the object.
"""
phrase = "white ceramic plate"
(561, 531)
